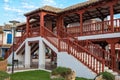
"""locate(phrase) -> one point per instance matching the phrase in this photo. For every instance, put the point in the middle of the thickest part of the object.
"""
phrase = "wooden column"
(102, 25)
(42, 14)
(57, 26)
(60, 25)
(27, 26)
(112, 43)
(81, 24)
(81, 21)
(112, 17)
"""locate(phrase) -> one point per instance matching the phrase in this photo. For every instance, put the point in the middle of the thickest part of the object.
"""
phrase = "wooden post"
(81, 21)
(81, 24)
(42, 14)
(102, 25)
(112, 42)
(112, 17)
(57, 25)
(27, 26)
(60, 24)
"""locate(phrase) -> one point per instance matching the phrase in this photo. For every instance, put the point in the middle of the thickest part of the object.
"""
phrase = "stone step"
(115, 73)
(117, 77)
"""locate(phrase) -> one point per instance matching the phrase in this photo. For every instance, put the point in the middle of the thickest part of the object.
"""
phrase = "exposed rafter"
(102, 16)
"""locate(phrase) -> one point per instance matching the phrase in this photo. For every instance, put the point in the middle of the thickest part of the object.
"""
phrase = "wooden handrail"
(99, 52)
(70, 45)
(34, 32)
(51, 37)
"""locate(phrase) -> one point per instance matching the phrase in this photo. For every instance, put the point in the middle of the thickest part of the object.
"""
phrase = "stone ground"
(34, 66)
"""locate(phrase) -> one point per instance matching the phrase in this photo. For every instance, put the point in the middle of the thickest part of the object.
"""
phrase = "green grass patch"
(3, 75)
(9, 64)
(36, 75)
(1, 59)
(31, 75)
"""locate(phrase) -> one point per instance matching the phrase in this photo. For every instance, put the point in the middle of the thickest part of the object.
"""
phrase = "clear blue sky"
(15, 9)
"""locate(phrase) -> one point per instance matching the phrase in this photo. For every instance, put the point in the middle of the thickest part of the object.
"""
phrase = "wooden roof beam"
(102, 15)
(89, 14)
(70, 18)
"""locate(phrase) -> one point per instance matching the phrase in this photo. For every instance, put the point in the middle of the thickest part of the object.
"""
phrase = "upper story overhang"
(99, 36)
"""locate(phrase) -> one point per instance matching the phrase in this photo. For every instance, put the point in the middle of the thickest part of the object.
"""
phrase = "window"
(9, 38)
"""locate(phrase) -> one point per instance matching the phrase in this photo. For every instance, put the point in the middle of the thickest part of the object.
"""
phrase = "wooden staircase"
(70, 45)
(91, 55)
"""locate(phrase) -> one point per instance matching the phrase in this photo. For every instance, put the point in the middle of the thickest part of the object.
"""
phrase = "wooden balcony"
(95, 28)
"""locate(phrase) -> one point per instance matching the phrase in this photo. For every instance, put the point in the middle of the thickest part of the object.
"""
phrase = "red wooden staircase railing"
(100, 53)
(70, 45)
(111, 61)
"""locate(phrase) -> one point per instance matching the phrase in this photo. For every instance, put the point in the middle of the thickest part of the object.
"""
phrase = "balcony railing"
(95, 28)
(34, 32)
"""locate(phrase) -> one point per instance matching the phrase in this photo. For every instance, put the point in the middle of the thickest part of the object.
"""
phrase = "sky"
(15, 9)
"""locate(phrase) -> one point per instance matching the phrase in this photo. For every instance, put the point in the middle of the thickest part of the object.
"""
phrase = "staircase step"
(115, 73)
(117, 77)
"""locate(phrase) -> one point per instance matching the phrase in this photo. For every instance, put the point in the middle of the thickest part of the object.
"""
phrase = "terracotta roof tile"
(51, 9)
(80, 5)
(59, 10)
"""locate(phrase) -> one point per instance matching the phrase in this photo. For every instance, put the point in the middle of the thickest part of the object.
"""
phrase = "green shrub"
(4, 75)
(107, 75)
(58, 79)
(63, 71)
(9, 64)
(81, 78)
(1, 59)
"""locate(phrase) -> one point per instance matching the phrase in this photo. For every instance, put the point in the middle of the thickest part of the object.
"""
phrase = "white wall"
(9, 59)
(18, 34)
(5, 37)
(66, 60)
(20, 58)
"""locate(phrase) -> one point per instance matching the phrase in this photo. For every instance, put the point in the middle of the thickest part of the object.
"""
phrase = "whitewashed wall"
(66, 60)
